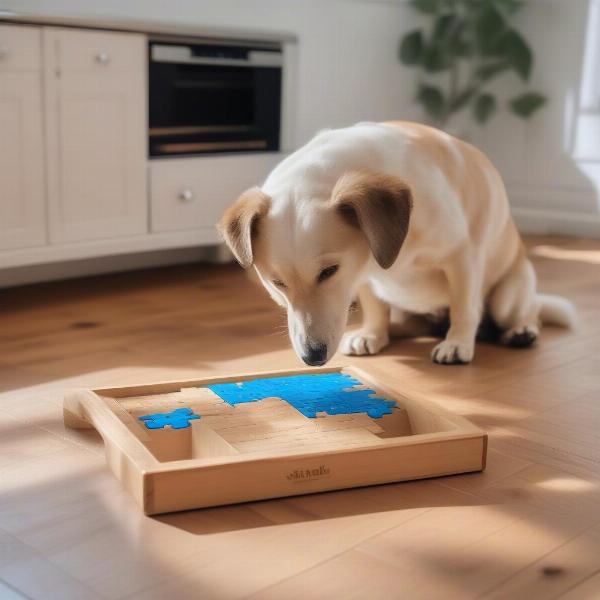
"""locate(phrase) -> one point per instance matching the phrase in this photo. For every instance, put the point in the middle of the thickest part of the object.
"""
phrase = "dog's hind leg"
(373, 335)
(514, 306)
(404, 325)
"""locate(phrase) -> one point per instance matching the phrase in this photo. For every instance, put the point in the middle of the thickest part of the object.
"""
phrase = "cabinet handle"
(102, 58)
(186, 195)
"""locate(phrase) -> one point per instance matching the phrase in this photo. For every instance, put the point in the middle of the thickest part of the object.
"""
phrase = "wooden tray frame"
(228, 478)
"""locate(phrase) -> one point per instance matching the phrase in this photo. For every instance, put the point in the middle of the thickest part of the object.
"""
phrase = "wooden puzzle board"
(267, 447)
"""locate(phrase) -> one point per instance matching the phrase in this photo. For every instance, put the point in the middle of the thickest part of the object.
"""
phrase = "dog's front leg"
(373, 335)
(465, 310)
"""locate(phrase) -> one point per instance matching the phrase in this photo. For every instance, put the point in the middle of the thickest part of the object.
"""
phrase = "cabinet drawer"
(193, 193)
(20, 48)
(84, 50)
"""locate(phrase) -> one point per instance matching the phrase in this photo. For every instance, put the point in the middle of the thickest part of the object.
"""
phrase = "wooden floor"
(529, 527)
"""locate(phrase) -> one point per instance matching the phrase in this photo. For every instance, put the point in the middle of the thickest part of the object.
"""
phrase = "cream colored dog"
(401, 215)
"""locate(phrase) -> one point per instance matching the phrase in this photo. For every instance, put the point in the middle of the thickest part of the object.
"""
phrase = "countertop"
(158, 28)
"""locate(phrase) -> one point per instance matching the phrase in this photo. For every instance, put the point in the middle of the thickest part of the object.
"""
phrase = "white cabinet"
(75, 179)
(22, 201)
(192, 193)
(96, 134)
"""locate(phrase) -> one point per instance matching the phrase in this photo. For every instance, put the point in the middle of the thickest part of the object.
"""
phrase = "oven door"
(214, 98)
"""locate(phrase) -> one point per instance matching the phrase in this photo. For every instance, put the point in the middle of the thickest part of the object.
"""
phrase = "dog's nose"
(316, 355)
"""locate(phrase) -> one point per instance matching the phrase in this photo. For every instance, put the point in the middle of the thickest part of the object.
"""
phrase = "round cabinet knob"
(102, 58)
(186, 195)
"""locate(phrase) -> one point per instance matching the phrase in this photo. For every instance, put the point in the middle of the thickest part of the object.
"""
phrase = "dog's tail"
(555, 310)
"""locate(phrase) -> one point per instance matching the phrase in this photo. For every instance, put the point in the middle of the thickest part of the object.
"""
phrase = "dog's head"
(310, 253)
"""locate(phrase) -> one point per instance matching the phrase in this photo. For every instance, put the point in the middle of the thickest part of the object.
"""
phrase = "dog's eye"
(278, 283)
(327, 273)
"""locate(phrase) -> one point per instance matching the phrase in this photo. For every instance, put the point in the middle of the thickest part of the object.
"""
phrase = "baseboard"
(110, 264)
(557, 222)
(147, 242)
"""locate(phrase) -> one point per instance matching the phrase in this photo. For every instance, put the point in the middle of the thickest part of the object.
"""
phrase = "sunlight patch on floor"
(567, 484)
(480, 407)
(586, 256)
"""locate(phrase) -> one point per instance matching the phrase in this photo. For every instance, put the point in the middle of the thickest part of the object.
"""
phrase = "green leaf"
(488, 71)
(472, 5)
(526, 104)
(449, 33)
(432, 99)
(484, 107)
(411, 48)
(489, 27)
(509, 6)
(459, 45)
(443, 26)
(428, 7)
(434, 59)
(517, 52)
(462, 99)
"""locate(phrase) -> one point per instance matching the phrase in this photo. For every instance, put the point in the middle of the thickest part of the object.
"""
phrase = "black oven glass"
(209, 99)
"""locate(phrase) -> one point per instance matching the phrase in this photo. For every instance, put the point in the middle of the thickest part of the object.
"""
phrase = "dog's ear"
(380, 206)
(239, 224)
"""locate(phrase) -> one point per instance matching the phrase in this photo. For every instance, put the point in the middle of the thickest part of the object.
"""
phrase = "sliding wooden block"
(267, 448)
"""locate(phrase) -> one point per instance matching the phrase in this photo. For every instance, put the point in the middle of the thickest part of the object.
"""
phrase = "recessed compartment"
(196, 441)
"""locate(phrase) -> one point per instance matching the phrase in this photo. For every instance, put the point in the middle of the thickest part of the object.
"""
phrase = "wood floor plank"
(25, 573)
(556, 572)
(586, 589)
(351, 575)
(8, 592)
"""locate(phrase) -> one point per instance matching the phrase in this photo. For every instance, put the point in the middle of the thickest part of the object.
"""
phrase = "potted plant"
(464, 46)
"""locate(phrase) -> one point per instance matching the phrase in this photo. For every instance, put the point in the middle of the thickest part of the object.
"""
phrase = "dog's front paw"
(450, 352)
(361, 342)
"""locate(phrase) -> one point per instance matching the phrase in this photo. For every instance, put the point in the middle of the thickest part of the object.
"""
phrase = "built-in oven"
(209, 97)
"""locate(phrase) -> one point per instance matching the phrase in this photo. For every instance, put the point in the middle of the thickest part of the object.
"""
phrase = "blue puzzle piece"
(177, 419)
(309, 394)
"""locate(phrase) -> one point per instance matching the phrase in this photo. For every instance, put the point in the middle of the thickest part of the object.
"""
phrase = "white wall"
(552, 164)
(348, 72)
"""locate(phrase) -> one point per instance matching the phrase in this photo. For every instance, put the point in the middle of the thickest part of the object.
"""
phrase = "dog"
(407, 218)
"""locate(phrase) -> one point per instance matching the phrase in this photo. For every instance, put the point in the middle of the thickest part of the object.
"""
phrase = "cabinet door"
(22, 205)
(97, 134)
